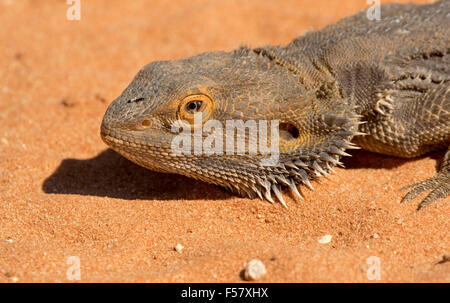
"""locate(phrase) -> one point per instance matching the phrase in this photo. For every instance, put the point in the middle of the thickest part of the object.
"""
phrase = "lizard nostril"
(145, 123)
(135, 100)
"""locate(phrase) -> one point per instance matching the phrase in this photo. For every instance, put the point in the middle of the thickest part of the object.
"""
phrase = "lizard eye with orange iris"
(195, 104)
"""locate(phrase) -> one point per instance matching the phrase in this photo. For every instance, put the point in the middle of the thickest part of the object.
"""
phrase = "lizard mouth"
(133, 139)
(137, 147)
(117, 138)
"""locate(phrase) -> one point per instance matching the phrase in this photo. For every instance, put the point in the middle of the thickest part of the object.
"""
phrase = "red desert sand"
(64, 194)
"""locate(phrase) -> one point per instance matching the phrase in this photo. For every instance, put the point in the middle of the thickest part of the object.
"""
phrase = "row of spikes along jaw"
(305, 164)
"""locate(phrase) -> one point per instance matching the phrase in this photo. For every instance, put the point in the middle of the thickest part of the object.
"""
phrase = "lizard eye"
(195, 104)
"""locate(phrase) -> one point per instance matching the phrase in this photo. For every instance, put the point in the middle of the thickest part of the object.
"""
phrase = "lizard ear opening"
(288, 131)
(194, 105)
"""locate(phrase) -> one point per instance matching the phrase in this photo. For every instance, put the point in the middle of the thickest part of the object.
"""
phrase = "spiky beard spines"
(302, 165)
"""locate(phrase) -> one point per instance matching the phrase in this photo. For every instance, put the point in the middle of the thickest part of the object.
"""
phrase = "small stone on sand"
(325, 239)
(179, 248)
(254, 270)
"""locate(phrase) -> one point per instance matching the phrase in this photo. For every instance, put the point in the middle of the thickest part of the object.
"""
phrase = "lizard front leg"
(425, 129)
(439, 185)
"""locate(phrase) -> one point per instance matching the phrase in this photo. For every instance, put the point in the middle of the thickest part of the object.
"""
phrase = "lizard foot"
(439, 185)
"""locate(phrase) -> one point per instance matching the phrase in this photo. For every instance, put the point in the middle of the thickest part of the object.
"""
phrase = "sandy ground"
(63, 193)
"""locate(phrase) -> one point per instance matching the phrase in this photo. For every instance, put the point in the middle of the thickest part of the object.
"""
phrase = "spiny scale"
(300, 171)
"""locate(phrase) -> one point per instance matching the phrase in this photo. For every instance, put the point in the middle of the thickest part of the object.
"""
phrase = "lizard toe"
(438, 185)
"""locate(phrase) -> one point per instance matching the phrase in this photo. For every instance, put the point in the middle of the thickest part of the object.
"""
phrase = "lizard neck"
(342, 71)
(310, 72)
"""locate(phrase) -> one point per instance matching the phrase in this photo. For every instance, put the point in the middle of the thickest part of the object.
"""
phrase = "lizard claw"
(439, 185)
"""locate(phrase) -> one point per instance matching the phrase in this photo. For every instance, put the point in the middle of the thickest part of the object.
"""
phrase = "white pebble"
(179, 248)
(254, 270)
(325, 239)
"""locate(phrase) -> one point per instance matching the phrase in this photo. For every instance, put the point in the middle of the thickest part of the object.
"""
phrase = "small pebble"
(254, 270)
(376, 236)
(325, 239)
(179, 248)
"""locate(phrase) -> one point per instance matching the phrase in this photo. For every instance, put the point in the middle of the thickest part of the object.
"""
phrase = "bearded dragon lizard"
(381, 85)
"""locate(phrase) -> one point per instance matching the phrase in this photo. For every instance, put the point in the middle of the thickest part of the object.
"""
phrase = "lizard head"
(169, 101)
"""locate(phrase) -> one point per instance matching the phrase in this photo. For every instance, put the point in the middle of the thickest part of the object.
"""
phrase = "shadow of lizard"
(110, 175)
(364, 159)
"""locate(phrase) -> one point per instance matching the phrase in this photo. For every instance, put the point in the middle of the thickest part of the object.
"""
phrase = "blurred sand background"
(63, 193)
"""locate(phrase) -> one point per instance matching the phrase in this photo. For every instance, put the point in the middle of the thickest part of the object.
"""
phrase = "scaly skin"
(378, 85)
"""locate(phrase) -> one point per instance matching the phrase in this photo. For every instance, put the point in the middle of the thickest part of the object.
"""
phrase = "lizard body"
(383, 86)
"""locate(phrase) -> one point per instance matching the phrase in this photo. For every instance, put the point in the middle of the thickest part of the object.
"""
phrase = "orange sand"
(63, 193)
